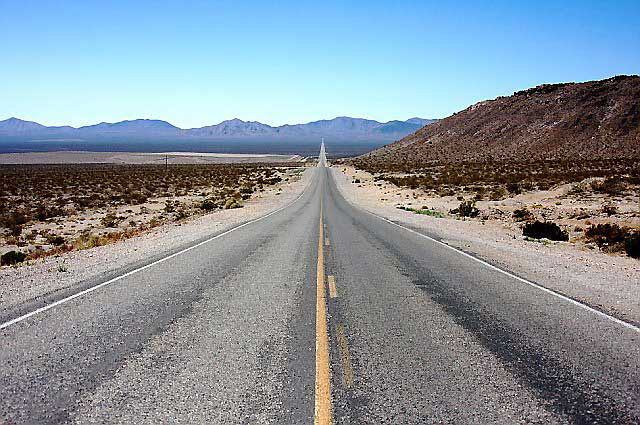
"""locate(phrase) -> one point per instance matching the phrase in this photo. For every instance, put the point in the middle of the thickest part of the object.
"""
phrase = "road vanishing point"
(323, 313)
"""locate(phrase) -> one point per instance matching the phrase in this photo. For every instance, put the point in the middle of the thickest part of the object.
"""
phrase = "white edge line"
(518, 278)
(161, 260)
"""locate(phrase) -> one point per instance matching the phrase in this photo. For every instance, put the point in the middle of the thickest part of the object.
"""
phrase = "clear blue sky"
(198, 63)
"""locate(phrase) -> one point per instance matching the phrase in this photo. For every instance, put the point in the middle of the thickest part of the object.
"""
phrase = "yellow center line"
(323, 414)
(333, 291)
(345, 358)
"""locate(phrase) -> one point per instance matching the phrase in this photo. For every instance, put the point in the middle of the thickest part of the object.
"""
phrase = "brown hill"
(571, 121)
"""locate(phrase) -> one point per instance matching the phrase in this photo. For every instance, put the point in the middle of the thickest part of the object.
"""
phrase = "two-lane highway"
(318, 312)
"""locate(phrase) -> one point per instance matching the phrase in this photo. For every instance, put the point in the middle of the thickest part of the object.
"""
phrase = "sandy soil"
(605, 281)
(77, 157)
(28, 282)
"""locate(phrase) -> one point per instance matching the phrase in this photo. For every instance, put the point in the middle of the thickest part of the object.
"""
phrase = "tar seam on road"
(511, 275)
(323, 414)
(343, 345)
(161, 260)
(333, 291)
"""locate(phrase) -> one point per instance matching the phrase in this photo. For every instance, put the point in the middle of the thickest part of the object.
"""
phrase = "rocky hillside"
(574, 121)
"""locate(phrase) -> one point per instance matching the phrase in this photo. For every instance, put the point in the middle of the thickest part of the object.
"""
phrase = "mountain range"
(566, 121)
(337, 129)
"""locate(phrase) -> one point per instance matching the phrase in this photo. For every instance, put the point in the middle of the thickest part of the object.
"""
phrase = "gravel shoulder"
(607, 282)
(48, 275)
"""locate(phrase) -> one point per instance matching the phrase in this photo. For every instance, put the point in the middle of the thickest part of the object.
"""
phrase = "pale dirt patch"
(576, 269)
(28, 282)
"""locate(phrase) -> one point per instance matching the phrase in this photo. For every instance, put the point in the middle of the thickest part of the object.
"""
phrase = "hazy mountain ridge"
(567, 121)
(340, 128)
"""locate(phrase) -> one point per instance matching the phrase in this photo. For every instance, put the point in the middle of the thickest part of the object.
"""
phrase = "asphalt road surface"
(318, 312)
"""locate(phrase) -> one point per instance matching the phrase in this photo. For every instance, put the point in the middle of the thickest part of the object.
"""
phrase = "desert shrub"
(134, 198)
(527, 186)
(14, 218)
(445, 191)
(110, 220)
(466, 209)
(273, 180)
(481, 191)
(208, 205)
(609, 210)
(55, 240)
(232, 203)
(498, 194)
(12, 257)
(577, 189)
(182, 213)
(43, 213)
(545, 230)
(544, 185)
(523, 214)
(608, 235)
(514, 188)
(356, 181)
(15, 230)
(632, 245)
(12, 240)
(610, 186)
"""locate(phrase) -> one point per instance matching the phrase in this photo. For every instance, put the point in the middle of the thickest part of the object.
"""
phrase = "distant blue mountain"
(337, 129)
(141, 125)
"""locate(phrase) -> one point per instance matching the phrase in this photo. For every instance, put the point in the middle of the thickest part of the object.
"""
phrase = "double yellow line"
(323, 412)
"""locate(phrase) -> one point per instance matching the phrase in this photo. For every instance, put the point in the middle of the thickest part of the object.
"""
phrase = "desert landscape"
(50, 209)
(553, 162)
(328, 213)
(592, 204)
